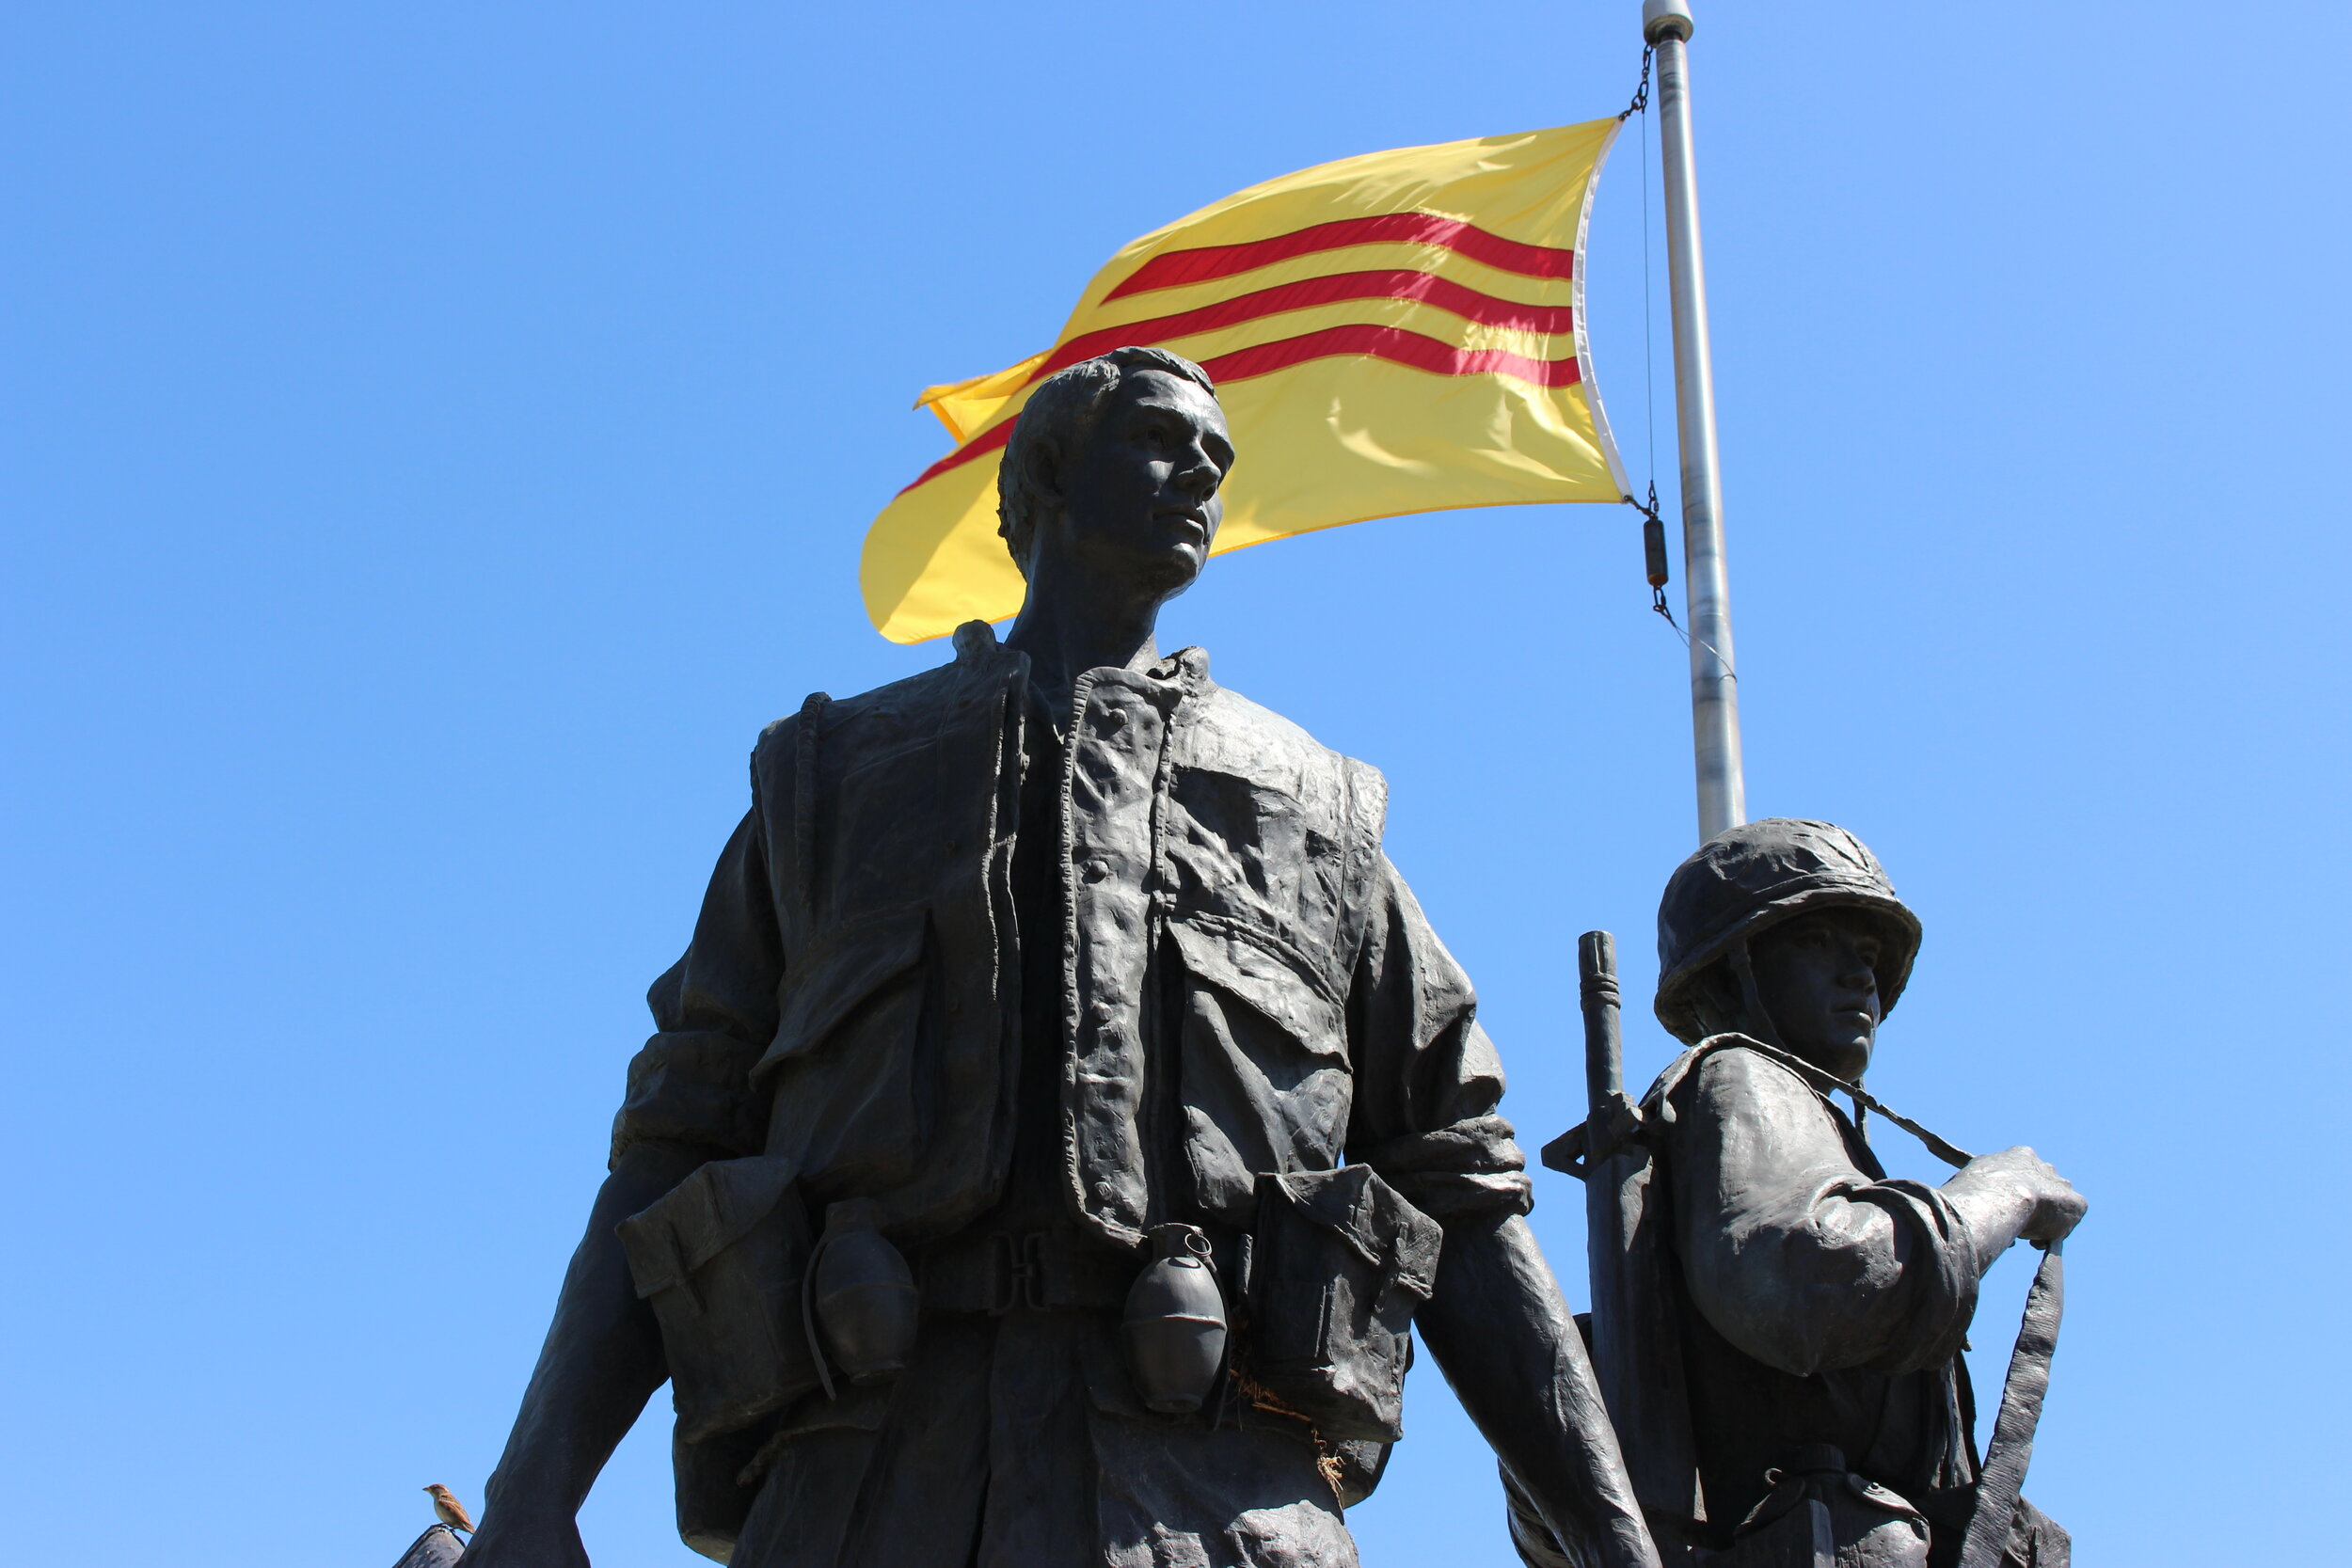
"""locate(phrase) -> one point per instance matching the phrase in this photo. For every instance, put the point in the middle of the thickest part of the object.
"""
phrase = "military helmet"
(1756, 876)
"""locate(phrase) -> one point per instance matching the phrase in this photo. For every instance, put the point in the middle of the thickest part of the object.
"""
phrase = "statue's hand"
(513, 1540)
(2052, 1206)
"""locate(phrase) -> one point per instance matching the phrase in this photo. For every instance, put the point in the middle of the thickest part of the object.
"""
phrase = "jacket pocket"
(842, 1073)
(1262, 969)
(1264, 1073)
(1339, 1264)
(720, 1257)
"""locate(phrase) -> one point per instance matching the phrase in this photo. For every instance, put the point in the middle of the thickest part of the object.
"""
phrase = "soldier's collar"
(1188, 665)
(976, 644)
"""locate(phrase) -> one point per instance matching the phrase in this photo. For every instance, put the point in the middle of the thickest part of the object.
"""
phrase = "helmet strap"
(1757, 1017)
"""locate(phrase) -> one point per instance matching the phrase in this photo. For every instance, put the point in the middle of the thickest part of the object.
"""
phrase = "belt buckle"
(1019, 1275)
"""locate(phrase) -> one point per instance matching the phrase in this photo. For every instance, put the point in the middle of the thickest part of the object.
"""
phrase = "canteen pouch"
(1338, 1265)
(720, 1257)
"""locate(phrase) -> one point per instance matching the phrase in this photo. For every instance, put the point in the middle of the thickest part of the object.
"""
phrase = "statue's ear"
(1042, 468)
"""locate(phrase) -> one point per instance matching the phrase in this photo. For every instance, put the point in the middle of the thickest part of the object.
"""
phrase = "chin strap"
(1756, 1019)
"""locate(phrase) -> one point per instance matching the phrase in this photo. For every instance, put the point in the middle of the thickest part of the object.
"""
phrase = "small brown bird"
(448, 1510)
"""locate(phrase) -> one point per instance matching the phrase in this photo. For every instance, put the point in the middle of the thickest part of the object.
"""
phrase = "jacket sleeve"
(714, 1013)
(1793, 1253)
(1427, 1079)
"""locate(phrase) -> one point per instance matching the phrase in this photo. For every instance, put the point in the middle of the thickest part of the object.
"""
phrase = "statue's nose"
(1198, 477)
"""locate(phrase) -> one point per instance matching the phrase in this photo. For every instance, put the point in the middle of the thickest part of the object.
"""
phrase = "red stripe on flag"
(1425, 286)
(1174, 268)
(979, 446)
(1392, 343)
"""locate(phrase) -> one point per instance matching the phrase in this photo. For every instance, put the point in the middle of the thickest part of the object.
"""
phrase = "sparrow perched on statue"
(447, 1509)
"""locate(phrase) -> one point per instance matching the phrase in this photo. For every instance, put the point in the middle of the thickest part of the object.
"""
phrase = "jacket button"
(1096, 869)
(1114, 718)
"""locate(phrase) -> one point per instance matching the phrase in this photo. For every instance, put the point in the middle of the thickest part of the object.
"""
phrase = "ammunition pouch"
(1338, 1265)
(720, 1257)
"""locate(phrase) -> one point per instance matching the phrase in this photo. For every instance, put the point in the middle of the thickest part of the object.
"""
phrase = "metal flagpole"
(1714, 686)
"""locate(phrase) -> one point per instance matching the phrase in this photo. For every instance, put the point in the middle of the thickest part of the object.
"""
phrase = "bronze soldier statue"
(1783, 1325)
(1064, 1115)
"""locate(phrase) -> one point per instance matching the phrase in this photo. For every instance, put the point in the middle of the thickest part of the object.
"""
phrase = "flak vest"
(1200, 831)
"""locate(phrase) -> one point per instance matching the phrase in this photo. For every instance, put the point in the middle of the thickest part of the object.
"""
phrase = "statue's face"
(1139, 500)
(1818, 976)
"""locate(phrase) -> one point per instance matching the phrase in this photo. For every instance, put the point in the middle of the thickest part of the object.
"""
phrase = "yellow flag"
(1398, 332)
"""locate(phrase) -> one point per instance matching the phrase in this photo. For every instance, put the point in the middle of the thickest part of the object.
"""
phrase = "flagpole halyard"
(1706, 581)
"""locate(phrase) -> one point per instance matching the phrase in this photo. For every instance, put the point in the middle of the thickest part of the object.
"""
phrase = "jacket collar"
(977, 644)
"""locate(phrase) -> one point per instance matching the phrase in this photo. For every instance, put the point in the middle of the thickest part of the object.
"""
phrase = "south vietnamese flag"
(1398, 332)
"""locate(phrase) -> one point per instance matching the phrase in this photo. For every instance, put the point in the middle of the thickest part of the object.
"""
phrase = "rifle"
(1637, 1351)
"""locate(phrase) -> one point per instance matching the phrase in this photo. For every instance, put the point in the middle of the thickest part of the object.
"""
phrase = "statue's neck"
(1066, 633)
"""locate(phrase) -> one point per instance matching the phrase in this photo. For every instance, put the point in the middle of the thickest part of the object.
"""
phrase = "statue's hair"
(1060, 415)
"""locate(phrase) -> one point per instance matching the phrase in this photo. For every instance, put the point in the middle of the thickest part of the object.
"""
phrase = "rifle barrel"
(1604, 1041)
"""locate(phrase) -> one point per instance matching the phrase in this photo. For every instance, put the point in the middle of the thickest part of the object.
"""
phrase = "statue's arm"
(1809, 1264)
(2011, 1196)
(1791, 1252)
(601, 1361)
(1505, 1341)
(688, 1102)
(1428, 1090)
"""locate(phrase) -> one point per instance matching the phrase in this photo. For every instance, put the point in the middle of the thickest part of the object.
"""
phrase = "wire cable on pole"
(1653, 526)
(1652, 523)
(1649, 376)
(1654, 550)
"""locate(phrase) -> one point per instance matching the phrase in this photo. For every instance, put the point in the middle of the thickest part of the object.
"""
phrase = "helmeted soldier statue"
(1810, 1310)
(1063, 1113)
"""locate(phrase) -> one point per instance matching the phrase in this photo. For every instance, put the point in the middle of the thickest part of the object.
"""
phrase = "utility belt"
(998, 1272)
(756, 1311)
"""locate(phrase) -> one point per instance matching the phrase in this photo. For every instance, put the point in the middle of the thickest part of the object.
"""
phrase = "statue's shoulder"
(1724, 1068)
(1231, 734)
(905, 712)
(1221, 707)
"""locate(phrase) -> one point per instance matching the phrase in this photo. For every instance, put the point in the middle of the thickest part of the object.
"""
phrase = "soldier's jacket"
(849, 997)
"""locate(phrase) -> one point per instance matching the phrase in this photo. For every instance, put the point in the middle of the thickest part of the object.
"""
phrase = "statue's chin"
(1171, 573)
(1848, 1058)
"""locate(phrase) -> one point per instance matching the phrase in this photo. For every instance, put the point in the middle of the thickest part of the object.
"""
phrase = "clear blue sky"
(439, 437)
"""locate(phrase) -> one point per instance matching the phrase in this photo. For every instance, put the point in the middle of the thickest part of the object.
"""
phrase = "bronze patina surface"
(1010, 969)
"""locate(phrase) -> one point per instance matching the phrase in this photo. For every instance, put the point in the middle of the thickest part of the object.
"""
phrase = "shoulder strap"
(2004, 1473)
(1952, 1154)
